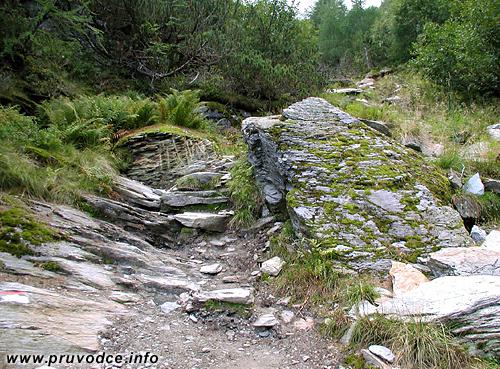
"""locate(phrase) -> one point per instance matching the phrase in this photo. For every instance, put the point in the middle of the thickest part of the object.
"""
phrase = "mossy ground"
(20, 232)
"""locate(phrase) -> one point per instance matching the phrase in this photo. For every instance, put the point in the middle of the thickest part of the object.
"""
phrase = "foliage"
(181, 109)
(245, 195)
(417, 345)
(462, 53)
(19, 232)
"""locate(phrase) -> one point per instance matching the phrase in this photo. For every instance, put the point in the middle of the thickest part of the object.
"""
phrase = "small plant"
(230, 308)
(181, 109)
(417, 345)
(51, 266)
(360, 290)
(244, 194)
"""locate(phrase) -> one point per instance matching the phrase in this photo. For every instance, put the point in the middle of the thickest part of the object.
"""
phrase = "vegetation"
(245, 195)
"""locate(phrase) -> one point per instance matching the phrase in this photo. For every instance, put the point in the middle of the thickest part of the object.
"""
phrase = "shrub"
(181, 109)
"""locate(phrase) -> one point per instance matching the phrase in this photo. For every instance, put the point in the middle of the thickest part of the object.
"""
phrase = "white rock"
(235, 295)
(494, 131)
(492, 241)
(374, 360)
(169, 306)
(382, 352)
(474, 185)
(124, 297)
(464, 261)
(478, 234)
(287, 316)
(272, 266)
(211, 269)
(206, 221)
(266, 320)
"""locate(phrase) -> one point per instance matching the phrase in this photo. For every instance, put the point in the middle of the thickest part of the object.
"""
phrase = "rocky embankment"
(155, 266)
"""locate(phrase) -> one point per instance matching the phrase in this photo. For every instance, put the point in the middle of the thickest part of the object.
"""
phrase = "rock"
(492, 185)
(13, 265)
(374, 360)
(169, 306)
(124, 297)
(52, 322)
(287, 316)
(492, 241)
(464, 261)
(211, 269)
(455, 179)
(392, 99)
(468, 207)
(405, 278)
(206, 221)
(478, 234)
(178, 199)
(272, 266)
(331, 175)
(476, 151)
(474, 185)
(198, 181)
(304, 324)
(234, 295)
(266, 321)
(346, 91)
(494, 131)
(382, 127)
(470, 304)
(382, 352)
(137, 194)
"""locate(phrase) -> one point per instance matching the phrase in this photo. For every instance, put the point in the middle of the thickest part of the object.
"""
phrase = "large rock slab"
(179, 199)
(138, 194)
(363, 196)
(44, 321)
(470, 304)
(207, 221)
(233, 295)
(465, 261)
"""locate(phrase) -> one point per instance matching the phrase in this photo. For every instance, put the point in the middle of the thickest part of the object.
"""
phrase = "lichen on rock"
(364, 197)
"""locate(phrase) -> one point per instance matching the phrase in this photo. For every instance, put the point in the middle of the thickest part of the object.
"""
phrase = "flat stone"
(206, 221)
(405, 278)
(168, 307)
(211, 269)
(465, 261)
(382, 127)
(374, 360)
(138, 194)
(14, 265)
(234, 295)
(266, 320)
(471, 304)
(124, 297)
(272, 266)
(177, 199)
(382, 352)
(346, 91)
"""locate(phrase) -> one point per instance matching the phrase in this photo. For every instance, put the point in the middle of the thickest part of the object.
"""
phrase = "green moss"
(51, 266)
(19, 232)
(241, 310)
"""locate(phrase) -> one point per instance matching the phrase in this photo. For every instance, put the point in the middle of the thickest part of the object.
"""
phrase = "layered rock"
(364, 197)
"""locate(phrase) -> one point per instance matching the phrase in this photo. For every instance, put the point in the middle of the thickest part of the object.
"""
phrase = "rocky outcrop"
(364, 197)
(156, 156)
(469, 304)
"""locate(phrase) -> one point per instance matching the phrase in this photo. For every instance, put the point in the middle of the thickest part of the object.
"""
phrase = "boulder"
(272, 266)
(405, 278)
(464, 261)
(211, 269)
(492, 185)
(350, 187)
(206, 221)
(494, 131)
(474, 185)
(469, 304)
(478, 234)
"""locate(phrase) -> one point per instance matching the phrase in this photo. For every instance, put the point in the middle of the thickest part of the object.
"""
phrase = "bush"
(181, 109)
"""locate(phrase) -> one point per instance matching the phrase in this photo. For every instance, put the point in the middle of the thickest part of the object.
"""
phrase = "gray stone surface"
(206, 221)
(383, 353)
(350, 187)
(494, 131)
(470, 304)
(478, 234)
(465, 261)
(179, 199)
(474, 185)
(266, 321)
(234, 295)
(272, 266)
